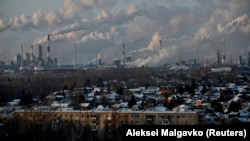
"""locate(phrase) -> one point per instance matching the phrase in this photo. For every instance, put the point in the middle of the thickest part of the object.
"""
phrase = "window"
(150, 116)
(165, 122)
(54, 126)
(137, 123)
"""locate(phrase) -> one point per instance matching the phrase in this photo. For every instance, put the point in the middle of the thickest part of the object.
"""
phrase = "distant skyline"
(191, 29)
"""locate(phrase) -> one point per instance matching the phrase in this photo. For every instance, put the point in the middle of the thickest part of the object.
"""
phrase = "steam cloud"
(155, 33)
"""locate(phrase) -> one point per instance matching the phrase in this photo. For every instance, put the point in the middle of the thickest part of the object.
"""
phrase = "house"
(64, 103)
(181, 108)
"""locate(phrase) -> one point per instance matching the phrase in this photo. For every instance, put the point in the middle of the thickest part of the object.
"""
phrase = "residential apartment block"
(99, 119)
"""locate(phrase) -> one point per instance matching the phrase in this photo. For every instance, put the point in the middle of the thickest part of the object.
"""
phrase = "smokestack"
(75, 57)
(31, 53)
(123, 54)
(180, 61)
(48, 49)
(22, 56)
(160, 43)
(223, 56)
(40, 53)
(218, 57)
(240, 60)
(249, 59)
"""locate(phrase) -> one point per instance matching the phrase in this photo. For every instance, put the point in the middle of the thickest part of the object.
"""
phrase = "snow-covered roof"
(101, 107)
(181, 108)
(160, 108)
(124, 104)
(84, 104)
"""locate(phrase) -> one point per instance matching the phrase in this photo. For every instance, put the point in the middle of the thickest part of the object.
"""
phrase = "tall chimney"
(31, 53)
(75, 58)
(223, 56)
(240, 60)
(21, 56)
(249, 59)
(48, 49)
(123, 54)
(160, 43)
(40, 52)
(218, 57)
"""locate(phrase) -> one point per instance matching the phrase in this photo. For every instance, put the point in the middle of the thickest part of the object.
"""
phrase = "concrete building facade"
(99, 119)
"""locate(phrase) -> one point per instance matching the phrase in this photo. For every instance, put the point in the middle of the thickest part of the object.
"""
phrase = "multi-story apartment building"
(99, 119)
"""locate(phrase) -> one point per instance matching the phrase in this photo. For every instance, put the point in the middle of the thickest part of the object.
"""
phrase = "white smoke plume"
(153, 32)
(42, 19)
(39, 20)
(154, 44)
(87, 26)
(242, 21)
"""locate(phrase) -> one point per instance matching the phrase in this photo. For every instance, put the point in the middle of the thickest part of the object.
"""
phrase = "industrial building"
(32, 62)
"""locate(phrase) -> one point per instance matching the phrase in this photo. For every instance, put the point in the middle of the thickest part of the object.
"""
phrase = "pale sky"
(191, 29)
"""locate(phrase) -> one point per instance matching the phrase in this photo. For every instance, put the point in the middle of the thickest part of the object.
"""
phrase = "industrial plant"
(35, 60)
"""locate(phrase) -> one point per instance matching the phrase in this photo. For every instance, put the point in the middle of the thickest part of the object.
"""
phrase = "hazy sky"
(192, 29)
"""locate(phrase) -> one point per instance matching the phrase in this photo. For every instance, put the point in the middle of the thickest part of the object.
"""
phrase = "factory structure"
(36, 61)
(39, 58)
(222, 60)
(221, 55)
(124, 61)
